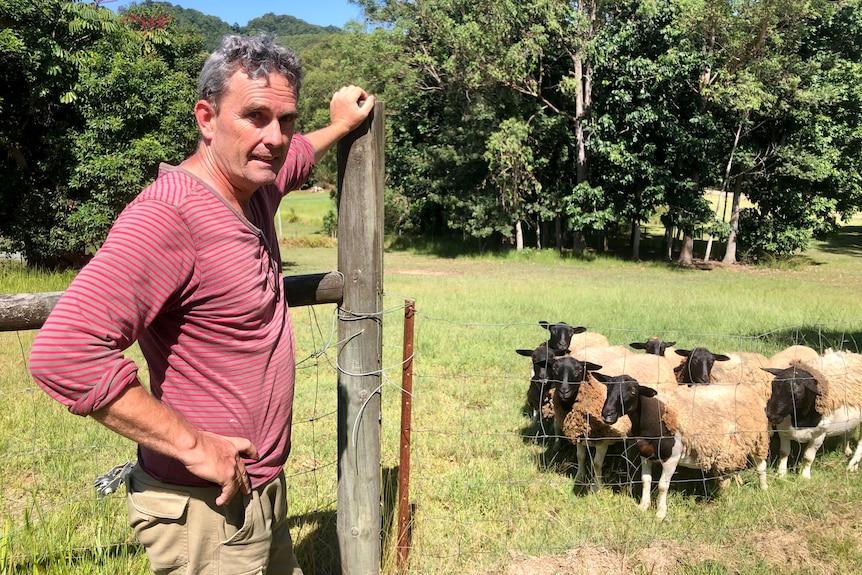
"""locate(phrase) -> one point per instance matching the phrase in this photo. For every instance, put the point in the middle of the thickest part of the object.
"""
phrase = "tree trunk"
(636, 241)
(519, 236)
(686, 254)
(730, 253)
(540, 231)
(558, 232)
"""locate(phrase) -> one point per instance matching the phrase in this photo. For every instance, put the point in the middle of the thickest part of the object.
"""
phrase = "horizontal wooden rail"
(30, 310)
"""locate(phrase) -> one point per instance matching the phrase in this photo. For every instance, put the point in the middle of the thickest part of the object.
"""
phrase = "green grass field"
(485, 498)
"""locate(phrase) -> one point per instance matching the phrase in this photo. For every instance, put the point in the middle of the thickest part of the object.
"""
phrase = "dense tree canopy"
(529, 123)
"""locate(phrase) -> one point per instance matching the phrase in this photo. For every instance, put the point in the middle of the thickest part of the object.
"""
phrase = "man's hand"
(349, 107)
(219, 459)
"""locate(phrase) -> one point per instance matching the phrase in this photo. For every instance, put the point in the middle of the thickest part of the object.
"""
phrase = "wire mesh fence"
(487, 495)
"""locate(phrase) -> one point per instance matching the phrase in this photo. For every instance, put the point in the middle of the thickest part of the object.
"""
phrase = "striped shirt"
(200, 288)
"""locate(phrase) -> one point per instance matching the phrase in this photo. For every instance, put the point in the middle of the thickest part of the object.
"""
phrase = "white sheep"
(815, 399)
(714, 428)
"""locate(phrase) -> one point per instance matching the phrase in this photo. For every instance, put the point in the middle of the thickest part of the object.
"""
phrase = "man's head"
(247, 113)
(258, 57)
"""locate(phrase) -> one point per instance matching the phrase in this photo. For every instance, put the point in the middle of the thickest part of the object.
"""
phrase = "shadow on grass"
(818, 338)
(846, 241)
(318, 552)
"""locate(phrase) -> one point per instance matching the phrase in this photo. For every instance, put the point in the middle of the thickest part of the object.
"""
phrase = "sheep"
(578, 400)
(658, 346)
(541, 390)
(562, 336)
(717, 428)
(815, 399)
(786, 356)
(697, 366)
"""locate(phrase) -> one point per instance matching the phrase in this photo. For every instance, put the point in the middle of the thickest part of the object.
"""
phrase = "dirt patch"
(784, 552)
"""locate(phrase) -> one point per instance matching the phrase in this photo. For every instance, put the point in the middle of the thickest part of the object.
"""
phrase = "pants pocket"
(158, 518)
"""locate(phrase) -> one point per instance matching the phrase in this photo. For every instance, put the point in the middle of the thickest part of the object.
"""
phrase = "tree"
(82, 154)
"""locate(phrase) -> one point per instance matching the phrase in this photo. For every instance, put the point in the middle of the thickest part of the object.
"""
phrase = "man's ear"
(205, 115)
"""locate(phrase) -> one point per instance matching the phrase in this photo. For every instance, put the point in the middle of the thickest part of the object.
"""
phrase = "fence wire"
(485, 490)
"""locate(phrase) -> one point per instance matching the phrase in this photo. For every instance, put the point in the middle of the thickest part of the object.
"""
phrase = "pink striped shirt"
(200, 288)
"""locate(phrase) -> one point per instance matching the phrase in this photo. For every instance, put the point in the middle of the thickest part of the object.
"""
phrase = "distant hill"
(213, 27)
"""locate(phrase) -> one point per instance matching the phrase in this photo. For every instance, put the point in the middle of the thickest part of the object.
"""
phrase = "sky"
(320, 12)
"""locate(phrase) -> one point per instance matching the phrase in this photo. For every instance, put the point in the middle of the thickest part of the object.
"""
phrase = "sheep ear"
(683, 352)
(773, 370)
(720, 357)
(637, 345)
(602, 377)
(647, 391)
(579, 329)
(590, 366)
(526, 352)
(545, 324)
(811, 385)
(670, 343)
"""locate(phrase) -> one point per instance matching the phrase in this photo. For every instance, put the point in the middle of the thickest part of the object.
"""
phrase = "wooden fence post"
(360, 331)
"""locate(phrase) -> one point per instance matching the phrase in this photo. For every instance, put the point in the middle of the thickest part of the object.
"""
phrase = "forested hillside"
(213, 27)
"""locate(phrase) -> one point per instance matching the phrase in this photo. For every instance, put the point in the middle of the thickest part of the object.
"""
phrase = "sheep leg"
(783, 453)
(646, 480)
(668, 467)
(810, 452)
(854, 463)
(582, 462)
(598, 464)
(760, 467)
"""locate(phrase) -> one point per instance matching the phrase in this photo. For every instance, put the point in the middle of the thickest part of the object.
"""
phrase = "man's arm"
(348, 108)
(137, 415)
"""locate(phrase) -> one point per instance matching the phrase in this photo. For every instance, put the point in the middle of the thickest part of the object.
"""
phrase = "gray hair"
(257, 56)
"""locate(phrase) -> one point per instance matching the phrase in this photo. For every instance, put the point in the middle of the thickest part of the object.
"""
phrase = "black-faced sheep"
(578, 401)
(658, 346)
(815, 399)
(697, 366)
(566, 337)
(541, 390)
(717, 429)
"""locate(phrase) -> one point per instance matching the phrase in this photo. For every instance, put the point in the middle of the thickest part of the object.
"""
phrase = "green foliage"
(74, 162)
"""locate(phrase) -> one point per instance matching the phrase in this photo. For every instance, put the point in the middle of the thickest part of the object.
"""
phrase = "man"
(192, 271)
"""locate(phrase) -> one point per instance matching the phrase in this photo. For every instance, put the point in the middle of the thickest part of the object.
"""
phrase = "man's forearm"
(139, 416)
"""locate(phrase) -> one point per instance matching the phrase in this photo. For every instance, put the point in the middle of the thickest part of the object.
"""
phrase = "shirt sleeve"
(146, 262)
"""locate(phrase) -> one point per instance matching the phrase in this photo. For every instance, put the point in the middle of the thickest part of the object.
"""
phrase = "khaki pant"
(184, 532)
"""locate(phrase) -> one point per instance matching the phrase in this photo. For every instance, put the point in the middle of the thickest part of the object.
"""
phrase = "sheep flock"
(692, 408)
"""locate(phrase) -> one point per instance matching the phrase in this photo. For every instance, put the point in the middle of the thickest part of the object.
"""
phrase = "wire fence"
(486, 493)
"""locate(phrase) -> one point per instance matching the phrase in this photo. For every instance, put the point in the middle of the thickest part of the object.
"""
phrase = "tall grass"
(485, 497)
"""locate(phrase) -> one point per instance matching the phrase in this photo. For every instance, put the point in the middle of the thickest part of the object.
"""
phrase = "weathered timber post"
(360, 331)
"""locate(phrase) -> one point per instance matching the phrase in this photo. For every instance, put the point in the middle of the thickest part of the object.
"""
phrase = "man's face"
(251, 133)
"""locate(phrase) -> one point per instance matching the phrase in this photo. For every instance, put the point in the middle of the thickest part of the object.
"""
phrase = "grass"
(485, 497)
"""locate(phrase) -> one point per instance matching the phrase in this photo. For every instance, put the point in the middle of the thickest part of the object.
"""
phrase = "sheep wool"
(722, 425)
(586, 339)
(647, 369)
(839, 376)
(584, 420)
(786, 356)
(746, 368)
